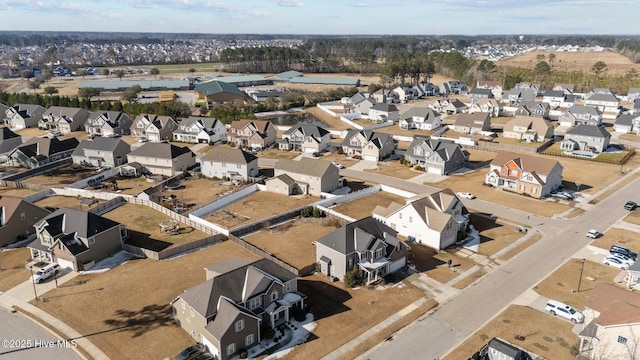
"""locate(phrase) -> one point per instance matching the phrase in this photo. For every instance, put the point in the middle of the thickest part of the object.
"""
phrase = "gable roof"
(160, 121)
(534, 123)
(477, 119)
(377, 138)
(616, 306)
(112, 117)
(307, 166)
(308, 130)
(161, 150)
(589, 130)
(351, 237)
(583, 109)
(422, 112)
(528, 163)
(444, 147)
(45, 146)
(384, 107)
(29, 110)
(99, 143)
(481, 91)
(229, 155)
(227, 312)
(68, 221)
(602, 97)
(63, 111)
(553, 93)
(260, 125)
(287, 75)
(627, 119)
(6, 133)
(213, 87)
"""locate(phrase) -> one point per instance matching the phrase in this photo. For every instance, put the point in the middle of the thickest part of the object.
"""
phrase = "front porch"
(374, 271)
(281, 310)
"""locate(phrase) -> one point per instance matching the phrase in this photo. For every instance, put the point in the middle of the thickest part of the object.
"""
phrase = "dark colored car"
(624, 251)
(191, 352)
(630, 205)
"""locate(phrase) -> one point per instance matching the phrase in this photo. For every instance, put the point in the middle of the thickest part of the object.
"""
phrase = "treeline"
(267, 59)
(630, 49)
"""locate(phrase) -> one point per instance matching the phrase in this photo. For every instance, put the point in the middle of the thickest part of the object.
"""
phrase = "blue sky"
(390, 17)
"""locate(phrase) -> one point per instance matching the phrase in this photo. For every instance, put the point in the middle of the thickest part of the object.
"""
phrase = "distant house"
(436, 156)
(455, 107)
(567, 89)
(553, 98)
(64, 119)
(385, 96)
(22, 116)
(420, 118)
(475, 123)
(200, 130)
(235, 164)
(382, 112)
(429, 89)
(612, 323)
(569, 101)
(433, 220)
(491, 106)
(633, 94)
(17, 217)
(227, 312)
(515, 96)
(361, 103)
(8, 142)
(305, 138)
(102, 152)
(153, 127)
(107, 123)
(535, 88)
(524, 174)
(162, 158)
(454, 87)
(305, 176)
(494, 86)
(39, 151)
(590, 138)
(533, 108)
(220, 92)
(529, 129)
(602, 99)
(627, 123)
(406, 93)
(367, 245)
(636, 107)
(479, 93)
(76, 239)
(580, 115)
(369, 145)
(256, 134)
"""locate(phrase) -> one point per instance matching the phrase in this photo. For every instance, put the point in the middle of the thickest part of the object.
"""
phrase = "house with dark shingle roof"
(305, 138)
(22, 116)
(101, 152)
(420, 118)
(433, 220)
(528, 128)
(304, 176)
(229, 163)
(553, 97)
(8, 142)
(39, 151)
(367, 244)
(163, 158)
(76, 239)
(436, 156)
(256, 134)
(475, 123)
(227, 311)
(153, 127)
(524, 174)
(201, 130)
(480, 93)
(106, 123)
(17, 217)
(627, 123)
(64, 119)
(602, 99)
(590, 138)
(533, 108)
(370, 145)
(383, 112)
(580, 115)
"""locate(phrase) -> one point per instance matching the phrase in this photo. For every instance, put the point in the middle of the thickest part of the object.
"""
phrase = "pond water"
(296, 119)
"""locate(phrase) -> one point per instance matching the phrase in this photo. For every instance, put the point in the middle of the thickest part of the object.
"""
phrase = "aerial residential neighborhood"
(205, 193)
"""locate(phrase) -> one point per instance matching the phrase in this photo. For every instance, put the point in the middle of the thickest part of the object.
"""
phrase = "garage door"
(370, 158)
(209, 345)
(434, 170)
(397, 265)
(309, 150)
(65, 264)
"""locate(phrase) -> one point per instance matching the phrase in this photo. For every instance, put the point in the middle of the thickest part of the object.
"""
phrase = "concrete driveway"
(25, 291)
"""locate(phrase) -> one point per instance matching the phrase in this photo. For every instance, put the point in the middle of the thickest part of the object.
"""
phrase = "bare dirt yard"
(12, 267)
(617, 236)
(8, 191)
(62, 177)
(129, 305)
(259, 205)
(65, 201)
(571, 61)
(274, 153)
(363, 207)
(293, 241)
(543, 334)
(197, 192)
(332, 122)
(341, 314)
(495, 235)
(395, 169)
(436, 264)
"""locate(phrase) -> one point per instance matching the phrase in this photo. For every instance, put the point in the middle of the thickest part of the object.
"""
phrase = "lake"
(296, 119)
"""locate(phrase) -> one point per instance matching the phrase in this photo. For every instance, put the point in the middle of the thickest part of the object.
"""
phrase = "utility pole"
(33, 282)
(581, 270)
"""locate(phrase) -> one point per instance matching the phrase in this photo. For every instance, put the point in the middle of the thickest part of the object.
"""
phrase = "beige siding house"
(64, 119)
(256, 134)
(153, 127)
(524, 174)
(529, 129)
(369, 145)
(304, 176)
(163, 158)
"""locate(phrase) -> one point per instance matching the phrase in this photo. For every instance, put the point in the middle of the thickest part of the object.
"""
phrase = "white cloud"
(288, 3)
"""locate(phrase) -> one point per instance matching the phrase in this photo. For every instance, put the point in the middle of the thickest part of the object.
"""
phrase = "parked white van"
(45, 273)
(558, 308)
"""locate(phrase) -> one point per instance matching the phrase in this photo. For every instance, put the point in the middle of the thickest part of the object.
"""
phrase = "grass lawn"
(143, 227)
(395, 169)
(470, 279)
(129, 309)
(16, 192)
(480, 155)
(198, 192)
(342, 314)
(12, 267)
(435, 264)
(61, 177)
(254, 207)
(633, 217)
(293, 240)
(494, 235)
(517, 142)
(65, 201)
(562, 283)
(630, 137)
(616, 236)
(516, 250)
(363, 207)
(545, 335)
(274, 153)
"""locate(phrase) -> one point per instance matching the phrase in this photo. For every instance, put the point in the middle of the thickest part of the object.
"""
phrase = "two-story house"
(533, 108)
(367, 245)
(22, 116)
(101, 152)
(567, 89)
(524, 174)
(580, 115)
(382, 112)
(475, 123)
(64, 119)
(305, 138)
(436, 156)
(480, 93)
(514, 96)
(491, 106)
(235, 164)
(201, 130)
(17, 217)
(633, 94)
(420, 118)
(369, 145)
(256, 134)
(304, 176)
(76, 239)
(590, 138)
(433, 220)
(162, 158)
(627, 123)
(8, 142)
(529, 129)
(39, 151)
(226, 313)
(108, 123)
(495, 87)
(553, 97)
(602, 99)
(153, 127)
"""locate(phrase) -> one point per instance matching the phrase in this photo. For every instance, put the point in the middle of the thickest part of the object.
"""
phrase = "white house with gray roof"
(586, 138)
(102, 152)
(366, 244)
(305, 138)
(229, 163)
(382, 112)
(633, 94)
(580, 115)
(553, 97)
(22, 116)
(436, 156)
(369, 145)
(108, 123)
(64, 119)
(627, 123)
(603, 99)
(480, 93)
(305, 176)
(200, 130)
(163, 158)
(421, 118)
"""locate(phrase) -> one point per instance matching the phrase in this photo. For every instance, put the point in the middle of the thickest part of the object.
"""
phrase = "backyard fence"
(37, 171)
(107, 206)
(256, 250)
(599, 159)
(173, 251)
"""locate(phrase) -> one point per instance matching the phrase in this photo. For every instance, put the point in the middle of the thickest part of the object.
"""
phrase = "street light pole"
(581, 270)
(33, 282)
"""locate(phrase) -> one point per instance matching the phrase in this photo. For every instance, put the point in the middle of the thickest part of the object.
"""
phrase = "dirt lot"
(363, 207)
(395, 169)
(616, 236)
(332, 122)
(544, 335)
(252, 208)
(12, 267)
(293, 240)
(128, 309)
(274, 153)
(435, 264)
(342, 314)
(143, 227)
(15, 192)
(198, 192)
(572, 61)
(65, 201)
(633, 217)
(61, 177)
(494, 234)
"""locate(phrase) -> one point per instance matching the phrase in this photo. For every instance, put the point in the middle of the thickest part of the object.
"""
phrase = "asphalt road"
(20, 339)
(434, 335)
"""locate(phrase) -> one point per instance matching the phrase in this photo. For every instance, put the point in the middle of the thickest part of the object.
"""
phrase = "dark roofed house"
(627, 123)
(553, 97)
(305, 138)
(370, 145)
(39, 151)
(153, 127)
(163, 158)
(475, 123)
(636, 107)
(304, 176)
(64, 119)
(590, 138)
(108, 123)
(480, 93)
(17, 217)
(580, 115)
(382, 112)
(436, 156)
(420, 118)
(201, 130)
(101, 152)
(227, 311)
(230, 163)
(76, 239)
(22, 116)
(603, 99)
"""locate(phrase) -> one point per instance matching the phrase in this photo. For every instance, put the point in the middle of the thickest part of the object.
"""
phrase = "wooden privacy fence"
(174, 250)
(256, 250)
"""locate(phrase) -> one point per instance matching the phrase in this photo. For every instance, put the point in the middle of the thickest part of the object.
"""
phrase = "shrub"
(267, 332)
(402, 160)
(316, 212)
(340, 151)
(307, 212)
(353, 278)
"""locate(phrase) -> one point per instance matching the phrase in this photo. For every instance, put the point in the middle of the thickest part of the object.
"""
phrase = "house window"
(521, 187)
(529, 178)
(23, 216)
(378, 253)
(622, 340)
(534, 190)
(192, 312)
(92, 240)
(239, 325)
(231, 349)
(350, 263)
(273, 296)
(410, 219)
(255, 302)
(248, 341)
(287, 287)
(184, 305)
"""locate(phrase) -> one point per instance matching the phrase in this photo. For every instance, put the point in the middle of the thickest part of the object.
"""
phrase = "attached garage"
(434, 169)
(66, 264)
(370, 158)
(398, 264)
(212, 348)
(309, 150)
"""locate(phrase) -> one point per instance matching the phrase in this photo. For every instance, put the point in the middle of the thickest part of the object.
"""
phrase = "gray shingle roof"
(69, 221)
(307, 166)
(228, 155)
(350, 237)
(583, 109)
(384, 107)
(162, 150)
(422, 112)
(378, 138)
(626, 119)
(99, 143)
(589, 130)
(308, 130)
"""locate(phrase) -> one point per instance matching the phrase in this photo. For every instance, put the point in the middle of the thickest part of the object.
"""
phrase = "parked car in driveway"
(615, 262)
(54, 134)
(617, 249)
(630, 205)
(594, 234)
(623, 258)
(191, 352)
(466, 195)
(561, 309)
(45, 273)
